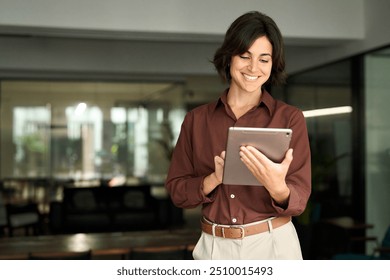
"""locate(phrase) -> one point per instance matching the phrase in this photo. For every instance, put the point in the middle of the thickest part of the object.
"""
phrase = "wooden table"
(100, 244)
(348, 223)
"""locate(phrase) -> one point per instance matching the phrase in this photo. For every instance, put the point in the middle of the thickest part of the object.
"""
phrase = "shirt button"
(234, 220)
(232, 196)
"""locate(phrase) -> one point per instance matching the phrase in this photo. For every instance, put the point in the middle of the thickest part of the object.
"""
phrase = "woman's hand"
(215, 178)
(219, 162)
(272, 175)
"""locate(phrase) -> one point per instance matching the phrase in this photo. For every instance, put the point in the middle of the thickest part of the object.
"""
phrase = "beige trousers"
(281, 243)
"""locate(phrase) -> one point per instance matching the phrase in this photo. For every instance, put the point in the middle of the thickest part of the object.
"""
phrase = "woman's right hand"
(214, 179)
(219, 161)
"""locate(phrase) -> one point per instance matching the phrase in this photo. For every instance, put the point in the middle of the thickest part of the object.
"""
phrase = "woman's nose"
(253, 65)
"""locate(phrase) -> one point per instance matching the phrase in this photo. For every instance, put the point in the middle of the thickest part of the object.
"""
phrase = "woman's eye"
(264, 60)
(244, 57)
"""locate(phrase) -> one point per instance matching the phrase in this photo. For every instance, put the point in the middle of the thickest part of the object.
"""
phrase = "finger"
(254, 154)
(248, 158)
(218, 160)
(223, 154)
(288, 158)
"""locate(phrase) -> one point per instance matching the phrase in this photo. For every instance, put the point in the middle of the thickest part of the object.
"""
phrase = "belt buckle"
(242, 231)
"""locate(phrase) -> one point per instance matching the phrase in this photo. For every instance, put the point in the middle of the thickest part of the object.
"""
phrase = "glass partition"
(325, 96)
(377, 144)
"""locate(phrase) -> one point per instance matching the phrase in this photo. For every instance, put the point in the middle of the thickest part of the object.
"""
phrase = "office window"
(87, 130)
(30, 140)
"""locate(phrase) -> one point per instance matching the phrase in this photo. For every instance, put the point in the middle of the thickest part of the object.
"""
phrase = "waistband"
(240, 231)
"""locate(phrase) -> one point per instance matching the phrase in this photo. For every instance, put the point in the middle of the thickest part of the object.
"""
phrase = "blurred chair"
(380, 252)
(13, 216)
(3, 216)
(84, 210)
(24, 216)
(175, 252)
(133, 208)
(84, 255)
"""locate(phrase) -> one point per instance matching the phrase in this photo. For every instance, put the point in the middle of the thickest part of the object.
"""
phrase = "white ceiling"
(173, 38)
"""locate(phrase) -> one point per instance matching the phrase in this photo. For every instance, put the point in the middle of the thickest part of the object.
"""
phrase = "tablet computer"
(272, 142)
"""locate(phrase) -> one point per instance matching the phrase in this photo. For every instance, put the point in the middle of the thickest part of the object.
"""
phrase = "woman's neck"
(243, 99)
(240, 103)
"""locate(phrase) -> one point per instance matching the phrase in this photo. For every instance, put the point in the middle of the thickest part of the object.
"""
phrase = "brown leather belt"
(240, 231)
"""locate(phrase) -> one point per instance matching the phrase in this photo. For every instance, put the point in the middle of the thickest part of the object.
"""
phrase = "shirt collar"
(266, 99)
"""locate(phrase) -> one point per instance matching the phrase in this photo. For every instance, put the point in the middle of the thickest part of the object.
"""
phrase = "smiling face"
(250, 70)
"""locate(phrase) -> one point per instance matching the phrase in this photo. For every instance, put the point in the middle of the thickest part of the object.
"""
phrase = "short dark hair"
(241, 35)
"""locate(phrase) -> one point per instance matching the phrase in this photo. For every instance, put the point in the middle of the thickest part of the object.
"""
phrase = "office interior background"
(92, 91)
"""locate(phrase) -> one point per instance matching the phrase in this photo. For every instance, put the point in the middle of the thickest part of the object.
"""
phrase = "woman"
(244, 222)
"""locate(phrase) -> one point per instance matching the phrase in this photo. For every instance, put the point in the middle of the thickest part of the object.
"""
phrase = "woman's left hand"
(272, 175)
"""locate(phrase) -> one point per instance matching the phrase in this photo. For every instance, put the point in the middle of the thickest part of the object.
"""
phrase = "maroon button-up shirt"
(203, 136)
